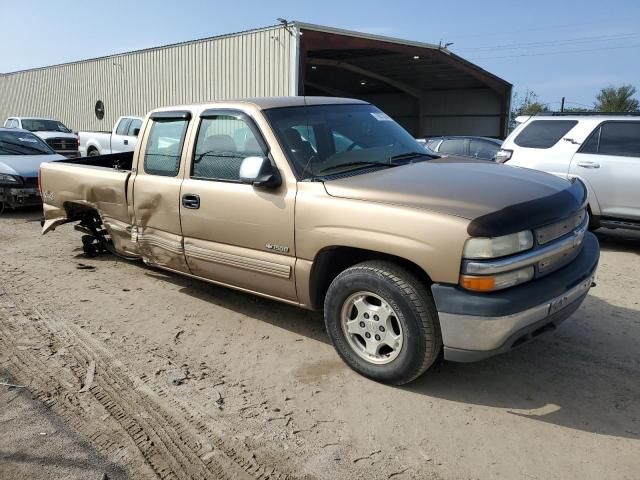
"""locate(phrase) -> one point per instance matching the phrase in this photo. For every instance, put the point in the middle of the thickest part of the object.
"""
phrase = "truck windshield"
(22, 143)
(40, 125)
(322, 140)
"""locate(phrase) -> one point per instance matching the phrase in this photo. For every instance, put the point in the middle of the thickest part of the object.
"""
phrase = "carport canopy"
(426, 88)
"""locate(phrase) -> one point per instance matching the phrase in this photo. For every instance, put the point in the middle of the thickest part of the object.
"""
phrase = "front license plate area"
(559, 303)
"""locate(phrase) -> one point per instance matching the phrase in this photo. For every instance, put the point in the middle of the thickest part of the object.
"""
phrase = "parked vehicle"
(21, 154)
(482, 148)
(602, 150)
(329, 204)
(122, 138)
(54, 132)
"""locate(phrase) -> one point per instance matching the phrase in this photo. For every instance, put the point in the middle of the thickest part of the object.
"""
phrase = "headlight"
(5, 178)
(482, 248)
(490, 283)
(503, 155)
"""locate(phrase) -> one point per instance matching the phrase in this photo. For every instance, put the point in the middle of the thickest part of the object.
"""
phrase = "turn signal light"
(478, 284)
(490, 283)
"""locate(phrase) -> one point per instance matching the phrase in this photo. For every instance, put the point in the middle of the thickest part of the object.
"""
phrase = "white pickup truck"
(122, 138)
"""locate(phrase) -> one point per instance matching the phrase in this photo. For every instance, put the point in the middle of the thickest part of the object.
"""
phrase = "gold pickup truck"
(327, 203)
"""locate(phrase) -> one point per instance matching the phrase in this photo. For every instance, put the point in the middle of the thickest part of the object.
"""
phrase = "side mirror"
(259, 172)
(136, 132)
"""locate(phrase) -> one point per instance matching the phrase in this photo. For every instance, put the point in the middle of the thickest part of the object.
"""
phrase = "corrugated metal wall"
(249, 64)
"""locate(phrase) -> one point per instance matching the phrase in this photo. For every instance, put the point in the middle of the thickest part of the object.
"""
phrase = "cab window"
(123, 126)
(224, 140)
(164, 147)
(133, 126)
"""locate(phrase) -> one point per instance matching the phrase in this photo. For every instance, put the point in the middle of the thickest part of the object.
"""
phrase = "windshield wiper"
(360, 164)
(408, 155)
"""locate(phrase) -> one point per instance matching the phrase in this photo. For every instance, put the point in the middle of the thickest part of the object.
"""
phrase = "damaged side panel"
(70, 192)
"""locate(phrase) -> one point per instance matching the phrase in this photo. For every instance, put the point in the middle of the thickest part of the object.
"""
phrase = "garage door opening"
(427, 89)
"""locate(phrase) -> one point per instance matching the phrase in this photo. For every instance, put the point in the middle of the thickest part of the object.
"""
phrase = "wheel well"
(77, 211)
(330, 261)
(92, 148)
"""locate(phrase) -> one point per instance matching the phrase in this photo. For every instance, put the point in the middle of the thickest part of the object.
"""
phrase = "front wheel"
(382, 321)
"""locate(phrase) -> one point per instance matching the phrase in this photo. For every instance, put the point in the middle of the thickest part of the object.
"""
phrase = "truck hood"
(46, 135)
(25, 165)
(497, 199)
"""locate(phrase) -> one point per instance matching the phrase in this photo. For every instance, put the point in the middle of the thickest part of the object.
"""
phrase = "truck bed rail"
(119, 161)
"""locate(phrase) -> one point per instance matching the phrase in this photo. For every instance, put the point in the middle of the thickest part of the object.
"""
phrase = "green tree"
(576, 109)
(527, 105)
(617, 99)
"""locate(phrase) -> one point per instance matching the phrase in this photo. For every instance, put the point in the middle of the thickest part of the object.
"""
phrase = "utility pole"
(562, 105)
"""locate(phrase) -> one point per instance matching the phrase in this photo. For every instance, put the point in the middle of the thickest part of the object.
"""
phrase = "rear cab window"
(164, 144)
(544, 133)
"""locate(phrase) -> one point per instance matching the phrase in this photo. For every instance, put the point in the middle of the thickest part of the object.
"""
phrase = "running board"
(620, 224)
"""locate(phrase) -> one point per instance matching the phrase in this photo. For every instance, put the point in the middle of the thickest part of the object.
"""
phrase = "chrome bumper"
(469, 338)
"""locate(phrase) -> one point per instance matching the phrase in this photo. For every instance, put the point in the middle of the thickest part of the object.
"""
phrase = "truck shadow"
(28, 214)
(302, 322)
(585, 376)
(619, 240)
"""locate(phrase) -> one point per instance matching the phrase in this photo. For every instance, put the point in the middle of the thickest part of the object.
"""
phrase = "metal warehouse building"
(426, 88)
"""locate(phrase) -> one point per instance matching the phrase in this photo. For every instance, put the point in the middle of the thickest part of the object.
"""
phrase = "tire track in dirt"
(180, 448)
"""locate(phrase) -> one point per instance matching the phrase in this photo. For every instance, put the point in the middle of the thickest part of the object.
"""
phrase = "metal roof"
(293, 24)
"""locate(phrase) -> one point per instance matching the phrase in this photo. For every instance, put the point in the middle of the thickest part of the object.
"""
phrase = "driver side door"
(236, 234)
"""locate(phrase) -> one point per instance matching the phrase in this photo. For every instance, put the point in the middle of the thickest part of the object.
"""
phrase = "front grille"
(574, 227)
(556, 230)
(63, 144)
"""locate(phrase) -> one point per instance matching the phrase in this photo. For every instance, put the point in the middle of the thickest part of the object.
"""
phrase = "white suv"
(601, 150)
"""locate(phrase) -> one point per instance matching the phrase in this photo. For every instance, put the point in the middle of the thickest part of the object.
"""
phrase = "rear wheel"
(93, 153)
(382, 321)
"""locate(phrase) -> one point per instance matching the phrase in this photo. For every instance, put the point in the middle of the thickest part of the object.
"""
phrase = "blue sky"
(555, 48)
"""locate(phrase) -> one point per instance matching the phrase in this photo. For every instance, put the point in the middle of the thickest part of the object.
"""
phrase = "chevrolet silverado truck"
(328, 204)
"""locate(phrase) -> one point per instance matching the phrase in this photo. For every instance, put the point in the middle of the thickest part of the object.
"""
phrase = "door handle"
(586, 164)
(126, 142)
(190, 200)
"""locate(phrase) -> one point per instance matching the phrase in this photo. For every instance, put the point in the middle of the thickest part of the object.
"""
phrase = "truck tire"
(93, 153)
(383, 322)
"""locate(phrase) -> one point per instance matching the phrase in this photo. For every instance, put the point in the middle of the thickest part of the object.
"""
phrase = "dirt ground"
(168, 377)
(37, 445)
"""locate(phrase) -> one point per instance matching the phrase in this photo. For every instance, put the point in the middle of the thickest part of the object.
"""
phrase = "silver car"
(21, 154)
(482, 148)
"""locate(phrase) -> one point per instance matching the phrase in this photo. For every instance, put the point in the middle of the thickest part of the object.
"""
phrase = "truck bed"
(98, 183)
